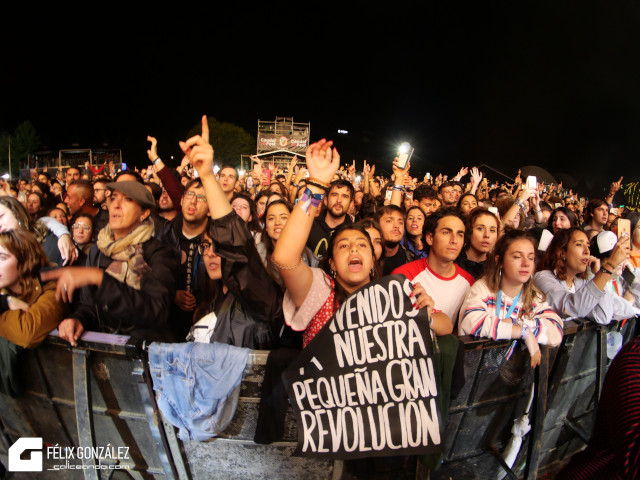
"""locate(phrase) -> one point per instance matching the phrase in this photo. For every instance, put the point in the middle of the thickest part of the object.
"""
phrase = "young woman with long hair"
(28, 308)
(414, 232)
(570, 290)
(313, 295)
(481, 237)
(505, 305)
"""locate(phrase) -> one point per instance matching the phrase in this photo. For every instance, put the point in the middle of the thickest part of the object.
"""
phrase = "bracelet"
(318, 183)
(295, 185)
(524, 332)
(283, 267)
(398, 188)
(520, 204)
(605, 270)
(155, 162)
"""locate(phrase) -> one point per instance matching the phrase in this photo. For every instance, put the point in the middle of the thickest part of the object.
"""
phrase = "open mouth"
(355, 264)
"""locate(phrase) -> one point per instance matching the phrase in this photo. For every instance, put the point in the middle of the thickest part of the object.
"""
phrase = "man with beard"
(426, 198)
(100, 193)
(448, 194)
(183, 234)
(391, 219)
(337, 204)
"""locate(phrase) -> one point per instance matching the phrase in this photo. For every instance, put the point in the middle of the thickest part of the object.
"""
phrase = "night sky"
(506, 84)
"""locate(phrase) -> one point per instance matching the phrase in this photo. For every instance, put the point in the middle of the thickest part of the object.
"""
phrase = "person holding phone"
(570, 290)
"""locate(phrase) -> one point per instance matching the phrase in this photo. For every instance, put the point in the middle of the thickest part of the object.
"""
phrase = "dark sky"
(501, 83)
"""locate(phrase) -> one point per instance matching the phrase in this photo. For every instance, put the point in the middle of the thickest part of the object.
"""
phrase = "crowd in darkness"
(262, 260)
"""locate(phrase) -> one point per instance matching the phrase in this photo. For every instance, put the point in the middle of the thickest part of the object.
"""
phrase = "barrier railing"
(100, 394)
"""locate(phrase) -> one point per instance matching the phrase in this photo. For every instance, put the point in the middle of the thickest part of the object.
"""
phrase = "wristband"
(520, 204)
(155, 162)
(524, 332)
(398, 188)
(310, 199)
(295, 185)
(606, 270)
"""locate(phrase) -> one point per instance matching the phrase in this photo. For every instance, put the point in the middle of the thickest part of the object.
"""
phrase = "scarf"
(128, 264)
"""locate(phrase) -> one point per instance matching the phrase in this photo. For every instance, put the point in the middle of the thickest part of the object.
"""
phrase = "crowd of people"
(264, 260)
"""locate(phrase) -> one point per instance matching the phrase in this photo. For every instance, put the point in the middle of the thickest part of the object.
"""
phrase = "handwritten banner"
(366, 384)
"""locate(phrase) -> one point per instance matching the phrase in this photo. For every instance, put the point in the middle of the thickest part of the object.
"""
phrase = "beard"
(389, 244)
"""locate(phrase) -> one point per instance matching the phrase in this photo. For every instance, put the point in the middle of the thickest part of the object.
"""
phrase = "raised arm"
(398, 182)
(613, 189)
(200, 151)
(322, 162)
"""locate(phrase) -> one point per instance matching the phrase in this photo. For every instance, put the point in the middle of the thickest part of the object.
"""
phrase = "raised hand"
(463, 171)
(200, 151)
(615, 186)
(366, 170)
(476, 176)
(400, 173)
(322, 160)
(152, 153)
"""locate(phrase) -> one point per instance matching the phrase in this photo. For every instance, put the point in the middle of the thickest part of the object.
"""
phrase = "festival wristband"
(310, 199)
(524, 332)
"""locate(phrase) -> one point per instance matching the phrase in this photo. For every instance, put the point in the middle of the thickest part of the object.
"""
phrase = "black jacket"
(115, 307)
(250, 315)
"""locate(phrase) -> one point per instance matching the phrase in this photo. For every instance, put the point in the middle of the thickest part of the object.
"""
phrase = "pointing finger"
(205, 129)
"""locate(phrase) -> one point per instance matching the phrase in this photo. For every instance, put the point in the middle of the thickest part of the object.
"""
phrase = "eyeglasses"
(204, 248)
(200, 197)
(79, 226)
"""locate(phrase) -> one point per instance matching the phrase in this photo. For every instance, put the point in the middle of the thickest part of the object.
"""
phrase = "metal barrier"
(100, 394)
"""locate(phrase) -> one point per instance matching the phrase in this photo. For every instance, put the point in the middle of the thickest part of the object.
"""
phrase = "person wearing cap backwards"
(601, 247)
(128, 283)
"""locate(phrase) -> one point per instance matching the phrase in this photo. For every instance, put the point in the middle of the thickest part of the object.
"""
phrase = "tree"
(24, 141)
(229, 141)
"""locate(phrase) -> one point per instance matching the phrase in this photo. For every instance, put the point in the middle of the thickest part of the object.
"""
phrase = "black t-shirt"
(391, 263)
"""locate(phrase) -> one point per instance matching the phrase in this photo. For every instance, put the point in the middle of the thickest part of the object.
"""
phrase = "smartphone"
(624, 226)
(404, 155)
(494, 210)
(267, 174)
(428, 176)
(628, 276)
(387, 196)
(532, 181)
